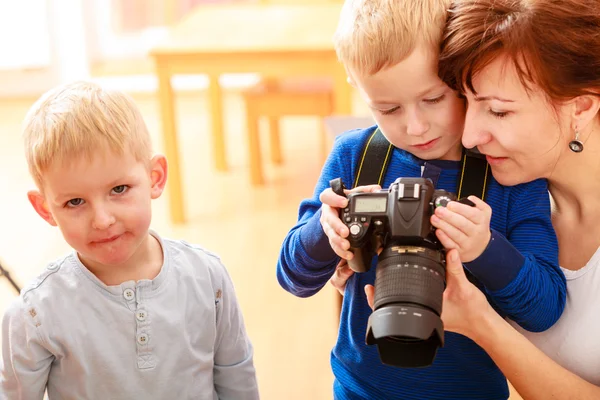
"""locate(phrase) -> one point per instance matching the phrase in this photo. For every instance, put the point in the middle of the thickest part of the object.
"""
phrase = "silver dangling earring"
(576, 145)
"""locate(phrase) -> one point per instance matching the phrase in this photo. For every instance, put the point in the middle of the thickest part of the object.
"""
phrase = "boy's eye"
(389, 111)
(74, 202)
(435, 100)
(120, 189)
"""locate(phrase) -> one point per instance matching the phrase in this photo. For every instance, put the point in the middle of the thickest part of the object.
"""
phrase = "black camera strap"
(474, 170)
(474, 175)
(374, 160)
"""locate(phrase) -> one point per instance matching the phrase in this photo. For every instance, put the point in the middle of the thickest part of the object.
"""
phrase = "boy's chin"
(439, 154)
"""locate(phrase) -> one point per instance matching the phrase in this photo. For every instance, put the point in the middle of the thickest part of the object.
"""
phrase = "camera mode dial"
(442, 201)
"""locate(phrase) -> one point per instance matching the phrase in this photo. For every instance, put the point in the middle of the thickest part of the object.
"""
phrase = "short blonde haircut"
(81, 119)
(375, 34)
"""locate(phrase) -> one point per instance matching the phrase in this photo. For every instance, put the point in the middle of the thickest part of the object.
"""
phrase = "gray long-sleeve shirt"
(178, 336)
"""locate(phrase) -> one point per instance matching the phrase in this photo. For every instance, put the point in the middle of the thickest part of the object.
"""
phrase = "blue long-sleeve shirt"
(519, 270)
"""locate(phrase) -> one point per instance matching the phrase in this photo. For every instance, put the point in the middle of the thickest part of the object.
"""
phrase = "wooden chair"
(274, 99)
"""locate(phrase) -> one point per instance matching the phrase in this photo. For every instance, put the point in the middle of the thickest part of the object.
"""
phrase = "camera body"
(410, 276)
(400, 214)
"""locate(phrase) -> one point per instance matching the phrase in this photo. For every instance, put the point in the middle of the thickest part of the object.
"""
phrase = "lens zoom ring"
(409, 279)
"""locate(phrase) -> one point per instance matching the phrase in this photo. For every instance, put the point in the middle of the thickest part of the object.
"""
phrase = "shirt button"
(129, 294)
(141, 315)
(142, 339)
(52, 267)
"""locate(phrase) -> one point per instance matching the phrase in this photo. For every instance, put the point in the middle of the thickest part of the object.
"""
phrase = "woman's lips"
(495, 160)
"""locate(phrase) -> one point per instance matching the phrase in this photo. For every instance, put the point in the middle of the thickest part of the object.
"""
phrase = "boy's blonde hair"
(81, 119)
(375, 34)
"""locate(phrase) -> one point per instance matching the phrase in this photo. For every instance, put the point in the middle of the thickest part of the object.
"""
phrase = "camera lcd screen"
(370, 204)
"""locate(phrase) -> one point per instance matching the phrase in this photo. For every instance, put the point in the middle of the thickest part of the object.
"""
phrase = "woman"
(530, 71)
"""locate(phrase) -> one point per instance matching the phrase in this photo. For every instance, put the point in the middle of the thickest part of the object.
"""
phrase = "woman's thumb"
(455, 274)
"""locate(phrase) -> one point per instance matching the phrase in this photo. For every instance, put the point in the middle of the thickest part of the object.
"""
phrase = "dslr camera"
(410, 275)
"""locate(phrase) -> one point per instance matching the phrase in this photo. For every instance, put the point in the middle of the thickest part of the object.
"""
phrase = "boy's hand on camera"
(463, 227)
(334, 228)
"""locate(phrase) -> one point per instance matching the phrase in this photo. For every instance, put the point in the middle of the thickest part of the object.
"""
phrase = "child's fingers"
(328, 197)
(365, 189)
(456, 220)
(450, 231)
(480, 204)
(340, 251)
(330, 217)
(473, 214)
(445, 240)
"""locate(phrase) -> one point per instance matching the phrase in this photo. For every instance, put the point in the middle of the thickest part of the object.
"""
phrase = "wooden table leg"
(275, 140)
(215, 99)
(254, 150)
(169, 127)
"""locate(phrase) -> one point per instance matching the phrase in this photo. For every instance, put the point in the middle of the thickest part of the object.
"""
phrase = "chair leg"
(275, 141)
(256, 173)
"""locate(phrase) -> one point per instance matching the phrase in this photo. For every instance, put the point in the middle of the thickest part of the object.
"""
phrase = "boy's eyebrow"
(383, 105)
(438, 85)
(486, 98)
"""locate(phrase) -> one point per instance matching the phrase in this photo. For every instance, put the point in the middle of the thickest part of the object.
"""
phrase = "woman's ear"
(585, 110)
(40, 206)
(158, 175)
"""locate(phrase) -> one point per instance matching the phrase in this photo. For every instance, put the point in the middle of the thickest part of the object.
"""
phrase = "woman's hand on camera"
(463, 227)
(464, 304)
(334, 228)
(341, 275)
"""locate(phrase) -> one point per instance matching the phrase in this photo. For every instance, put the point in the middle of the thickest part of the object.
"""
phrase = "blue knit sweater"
(519, 269)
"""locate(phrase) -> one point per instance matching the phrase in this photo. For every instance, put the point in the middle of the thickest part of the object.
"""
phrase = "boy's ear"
(40, 206)
(158, 175)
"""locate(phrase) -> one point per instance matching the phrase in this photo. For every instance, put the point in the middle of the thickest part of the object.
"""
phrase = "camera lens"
(406, 324)
(410, 275)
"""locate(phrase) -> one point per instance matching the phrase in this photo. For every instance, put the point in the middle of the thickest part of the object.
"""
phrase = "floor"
(245, 225)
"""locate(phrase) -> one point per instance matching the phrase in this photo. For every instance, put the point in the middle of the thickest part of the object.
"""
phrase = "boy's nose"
(102, 219)
(416, 125)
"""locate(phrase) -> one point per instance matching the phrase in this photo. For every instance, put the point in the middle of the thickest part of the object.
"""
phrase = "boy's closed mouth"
(106, 240)
(426, 145)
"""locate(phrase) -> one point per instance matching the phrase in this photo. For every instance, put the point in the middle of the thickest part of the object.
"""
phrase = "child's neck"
(145, 263)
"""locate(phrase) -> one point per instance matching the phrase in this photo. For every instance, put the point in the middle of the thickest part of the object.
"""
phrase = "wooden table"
(271, 40)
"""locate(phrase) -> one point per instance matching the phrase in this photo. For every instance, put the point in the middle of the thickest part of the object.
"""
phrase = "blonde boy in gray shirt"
(128, 314)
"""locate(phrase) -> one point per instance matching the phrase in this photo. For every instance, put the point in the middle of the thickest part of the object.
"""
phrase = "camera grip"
(361, 262)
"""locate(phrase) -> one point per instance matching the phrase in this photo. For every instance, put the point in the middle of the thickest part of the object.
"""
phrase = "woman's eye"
(74, 202)
(120, 189)
(497, 114)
